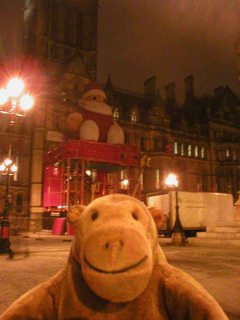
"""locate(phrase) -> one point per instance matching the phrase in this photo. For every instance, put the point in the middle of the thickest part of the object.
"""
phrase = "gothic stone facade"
(199, 140)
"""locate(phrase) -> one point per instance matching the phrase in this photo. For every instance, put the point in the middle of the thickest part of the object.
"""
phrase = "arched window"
(175, 147)
(134, 116)
(189, 150)
(116, 113)
(202, 152)
(196, 151)
(19, 203)
(234, 155)
(182, 149)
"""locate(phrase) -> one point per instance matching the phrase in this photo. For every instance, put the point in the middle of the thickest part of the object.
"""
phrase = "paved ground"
(40, 256)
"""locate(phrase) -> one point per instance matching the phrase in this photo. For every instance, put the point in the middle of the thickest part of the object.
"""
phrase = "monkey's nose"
(114, 249)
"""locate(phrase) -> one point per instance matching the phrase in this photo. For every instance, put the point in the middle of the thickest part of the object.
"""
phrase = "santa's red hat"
(93, 88)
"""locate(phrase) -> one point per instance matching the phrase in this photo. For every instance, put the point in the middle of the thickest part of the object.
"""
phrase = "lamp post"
(178, 236)
(17, 106)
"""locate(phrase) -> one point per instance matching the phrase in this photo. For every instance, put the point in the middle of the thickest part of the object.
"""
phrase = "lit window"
(202, 152)
(175, 148)
(134, 116)
(196, 151)
(234, 155)
(189, 150)
(182, 149)
(227, 153)
(157, 179)
(116, 113)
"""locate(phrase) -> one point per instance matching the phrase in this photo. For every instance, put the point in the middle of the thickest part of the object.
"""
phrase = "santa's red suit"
(94, 120)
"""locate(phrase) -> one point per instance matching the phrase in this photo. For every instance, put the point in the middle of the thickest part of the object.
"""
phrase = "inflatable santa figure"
(94, 121)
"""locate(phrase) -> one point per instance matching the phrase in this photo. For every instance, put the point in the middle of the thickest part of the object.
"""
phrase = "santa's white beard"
(98, 107)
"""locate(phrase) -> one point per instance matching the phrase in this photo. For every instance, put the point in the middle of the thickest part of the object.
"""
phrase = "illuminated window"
(196, 151)
(227, 153)
(202, 152)
(134, 116)
(189, 150)
(182, 149)
(175, 148)
(157, 179)
(234, 155)
(116, 113)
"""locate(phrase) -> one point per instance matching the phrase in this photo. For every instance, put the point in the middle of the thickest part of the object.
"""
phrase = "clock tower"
(61, 32)
(62, 36)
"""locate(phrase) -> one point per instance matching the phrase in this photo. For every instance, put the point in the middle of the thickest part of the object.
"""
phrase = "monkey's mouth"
(116, 271)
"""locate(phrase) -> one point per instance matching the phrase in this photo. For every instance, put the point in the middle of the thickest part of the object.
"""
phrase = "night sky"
(170, 39)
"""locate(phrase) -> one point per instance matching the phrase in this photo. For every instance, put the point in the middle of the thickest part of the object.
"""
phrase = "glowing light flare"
(171, 180)
(26, 102)
(5, 167)
(2, 167)
(7, 162)
(15, 87)
(125, 182)
(14, 168)
(3, 96)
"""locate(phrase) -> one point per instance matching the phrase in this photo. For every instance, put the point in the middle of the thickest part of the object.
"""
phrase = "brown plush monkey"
(116, 270)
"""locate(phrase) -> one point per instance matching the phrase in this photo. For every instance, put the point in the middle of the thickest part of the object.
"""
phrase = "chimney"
(109, 90)
(170, 92)
(150, 86)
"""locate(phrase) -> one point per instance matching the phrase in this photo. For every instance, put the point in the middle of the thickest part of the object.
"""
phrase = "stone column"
(39, 137)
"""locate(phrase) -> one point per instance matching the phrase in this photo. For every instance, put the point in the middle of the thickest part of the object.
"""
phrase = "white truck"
(197, 210)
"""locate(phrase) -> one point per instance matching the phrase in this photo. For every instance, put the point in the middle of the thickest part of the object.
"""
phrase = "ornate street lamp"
(17, 106)
(178, 236)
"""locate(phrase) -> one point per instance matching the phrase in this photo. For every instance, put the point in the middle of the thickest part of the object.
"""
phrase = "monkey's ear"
(74, 214)
(158, 216)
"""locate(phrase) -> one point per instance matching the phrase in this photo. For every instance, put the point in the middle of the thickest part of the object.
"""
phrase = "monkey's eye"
(94, 216)
(94, 98)
(134, 215)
